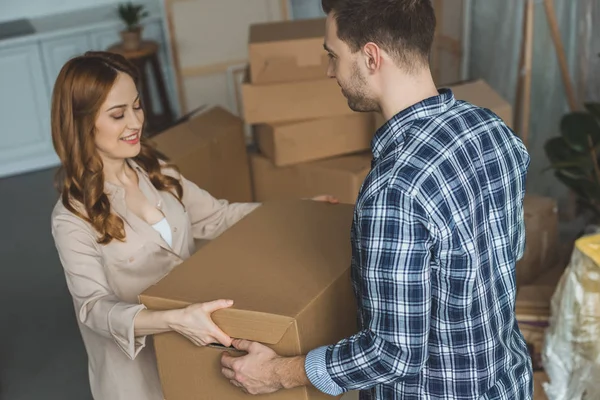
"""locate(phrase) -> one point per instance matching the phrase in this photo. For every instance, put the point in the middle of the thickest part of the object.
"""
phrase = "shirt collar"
(113, 190)
(396, 126)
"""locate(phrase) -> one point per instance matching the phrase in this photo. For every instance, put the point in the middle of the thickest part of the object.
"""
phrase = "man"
(438, 228)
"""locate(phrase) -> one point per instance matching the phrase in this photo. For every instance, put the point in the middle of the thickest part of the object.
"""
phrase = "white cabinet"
(25, 140)
(59, 50)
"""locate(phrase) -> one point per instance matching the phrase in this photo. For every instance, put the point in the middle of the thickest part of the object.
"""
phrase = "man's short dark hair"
(402, 28)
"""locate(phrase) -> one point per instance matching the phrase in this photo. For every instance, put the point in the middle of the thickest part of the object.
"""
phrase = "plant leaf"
(558, 151)
(577, 127)
(576, 173)
(570, 166)
(594, 109)
(575, 185)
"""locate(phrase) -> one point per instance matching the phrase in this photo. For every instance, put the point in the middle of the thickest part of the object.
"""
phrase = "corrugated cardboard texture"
(293, 101)
(287, 51)
(481, 94)
(294, 143)
(478, 93)
(541, 226)
(341, 177)
(210, 150)
(288, 275)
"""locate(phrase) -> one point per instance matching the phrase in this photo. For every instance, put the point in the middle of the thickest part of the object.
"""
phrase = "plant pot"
(132, 39)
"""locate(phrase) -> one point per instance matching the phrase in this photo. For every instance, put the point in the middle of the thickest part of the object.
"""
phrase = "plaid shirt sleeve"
(394, 240)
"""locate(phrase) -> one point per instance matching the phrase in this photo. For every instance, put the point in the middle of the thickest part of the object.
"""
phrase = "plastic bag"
(571, 352)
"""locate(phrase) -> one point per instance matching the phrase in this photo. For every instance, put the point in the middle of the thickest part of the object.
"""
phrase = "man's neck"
(402, 91)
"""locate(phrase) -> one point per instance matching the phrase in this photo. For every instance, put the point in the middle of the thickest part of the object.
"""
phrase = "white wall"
(15, 9)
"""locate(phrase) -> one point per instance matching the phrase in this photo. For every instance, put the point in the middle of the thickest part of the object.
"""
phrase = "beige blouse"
(106, 280)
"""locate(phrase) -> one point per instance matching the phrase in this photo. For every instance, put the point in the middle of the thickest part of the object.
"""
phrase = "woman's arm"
(99, 309)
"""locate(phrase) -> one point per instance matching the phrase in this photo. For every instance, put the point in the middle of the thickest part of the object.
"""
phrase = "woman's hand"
(326, 198)
(195, 323)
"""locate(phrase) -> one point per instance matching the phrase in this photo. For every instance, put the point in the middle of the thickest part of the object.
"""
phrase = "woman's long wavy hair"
(80, 90)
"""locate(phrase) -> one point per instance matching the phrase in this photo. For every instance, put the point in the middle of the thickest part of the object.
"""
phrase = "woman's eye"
(118, 116)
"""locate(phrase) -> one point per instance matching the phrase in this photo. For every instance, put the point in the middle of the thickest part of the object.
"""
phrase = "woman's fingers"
(213, 306)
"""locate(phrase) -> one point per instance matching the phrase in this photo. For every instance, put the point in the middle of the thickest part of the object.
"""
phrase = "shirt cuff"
(316, 370)
(121, 320)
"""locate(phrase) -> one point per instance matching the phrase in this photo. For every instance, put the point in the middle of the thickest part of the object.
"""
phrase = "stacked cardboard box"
(210, 150)
(541, 236)
(538, 273)
(307, 135)
(533, 310)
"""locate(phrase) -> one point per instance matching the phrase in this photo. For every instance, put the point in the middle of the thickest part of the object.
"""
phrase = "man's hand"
(326, 198)
(262, 370)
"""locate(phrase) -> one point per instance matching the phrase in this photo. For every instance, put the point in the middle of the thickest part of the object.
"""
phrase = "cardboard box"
(293, 101)
(480, 94)
(293, 143)
(210, 150)
(539, 378)
(341, 177)
(541, 226)
(533, 311)
(287, 51)
(290, 279)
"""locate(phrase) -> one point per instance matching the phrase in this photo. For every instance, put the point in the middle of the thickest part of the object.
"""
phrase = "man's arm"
(394, 260)
(395, 266)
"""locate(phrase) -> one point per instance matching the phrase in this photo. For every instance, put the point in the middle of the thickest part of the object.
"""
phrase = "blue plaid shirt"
(438, 228)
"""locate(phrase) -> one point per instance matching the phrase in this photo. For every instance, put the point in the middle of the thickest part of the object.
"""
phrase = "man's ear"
(372, 55)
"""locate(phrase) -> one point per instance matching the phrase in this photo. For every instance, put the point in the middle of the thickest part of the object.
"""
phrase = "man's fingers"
(227, 361)
(327, 198)
(240, 344)
(227, 373)
(235, 383)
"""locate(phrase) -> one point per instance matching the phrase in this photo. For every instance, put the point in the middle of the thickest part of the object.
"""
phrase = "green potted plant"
(131, 14)
(574, 156)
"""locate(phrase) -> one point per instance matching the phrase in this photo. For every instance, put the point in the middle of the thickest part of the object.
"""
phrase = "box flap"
(210, 123)
(273, 263)
(255, 326)
(287, 30)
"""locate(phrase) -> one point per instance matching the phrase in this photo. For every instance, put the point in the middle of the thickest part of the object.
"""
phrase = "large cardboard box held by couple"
(341, 177)
(286, 266)
(210, 150)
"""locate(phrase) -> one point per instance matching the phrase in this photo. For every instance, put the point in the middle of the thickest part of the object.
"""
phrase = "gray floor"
(41, 353)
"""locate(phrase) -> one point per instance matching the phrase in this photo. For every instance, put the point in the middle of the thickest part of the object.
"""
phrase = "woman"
(124, 220)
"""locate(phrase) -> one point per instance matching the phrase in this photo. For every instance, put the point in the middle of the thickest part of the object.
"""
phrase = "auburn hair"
(80, 90)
